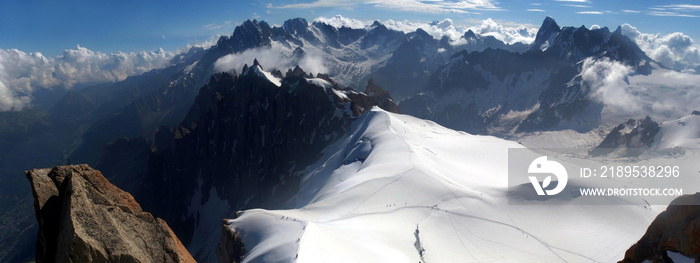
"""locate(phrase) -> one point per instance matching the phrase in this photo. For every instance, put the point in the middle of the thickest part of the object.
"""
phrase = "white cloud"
(507, 33)
(590, 12)
(437, 29)
(605, 81)
(535, 10)
(270, 58)
(677, 10)
(22, 73)
(339, 21)
(663, 95)
(216, 26)
(668, 13)
(420, 6)
(681, 7)
(667, 94)
(675, 50)
(630, 11)
(436, 6)
(578, 6)
(206, 44)
(9, 100)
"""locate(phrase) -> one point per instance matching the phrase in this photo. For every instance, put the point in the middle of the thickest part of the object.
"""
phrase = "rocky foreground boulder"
(675, 230)
(84, 218)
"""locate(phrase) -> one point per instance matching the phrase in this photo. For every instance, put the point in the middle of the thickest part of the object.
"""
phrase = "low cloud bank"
(507, 33)
(21, 73)
(664, 95)
(271, 58)
(606, 82)
(675, 50)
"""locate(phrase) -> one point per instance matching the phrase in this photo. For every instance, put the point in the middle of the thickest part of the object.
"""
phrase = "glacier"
(402, 189)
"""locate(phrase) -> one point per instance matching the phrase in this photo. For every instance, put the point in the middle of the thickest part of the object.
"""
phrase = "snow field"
(365, 199)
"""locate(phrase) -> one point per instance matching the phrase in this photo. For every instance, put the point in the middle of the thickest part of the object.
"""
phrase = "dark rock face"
(630, 138)
(243, 145)
(548, 30)
(231, 248)
(675, 230)
(380, 97)
(84, 218)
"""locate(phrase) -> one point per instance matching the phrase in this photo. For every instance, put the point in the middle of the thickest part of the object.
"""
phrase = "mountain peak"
(256, 70)
(297, 72)
(295, 25)
(548, 29)
(256, 63)
(618, 31)
(378, 27)
(421, 34)
(470, 34)
(549, 23)
(248, 23)
(248, 35)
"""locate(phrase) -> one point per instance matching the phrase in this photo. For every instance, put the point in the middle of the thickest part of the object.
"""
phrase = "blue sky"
(50, 27)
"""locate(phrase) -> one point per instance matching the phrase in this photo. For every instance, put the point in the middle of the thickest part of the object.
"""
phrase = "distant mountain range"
(499, 92)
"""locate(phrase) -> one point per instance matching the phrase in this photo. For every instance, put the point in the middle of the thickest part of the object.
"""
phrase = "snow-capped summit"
(258, 70)
(682, 132)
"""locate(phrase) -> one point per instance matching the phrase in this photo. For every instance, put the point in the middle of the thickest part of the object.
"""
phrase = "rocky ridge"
(84, 218)
(244, 144)
(629, 139)
(675, 230)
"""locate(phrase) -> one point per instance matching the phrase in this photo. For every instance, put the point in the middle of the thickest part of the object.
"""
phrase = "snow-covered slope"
(683, 132)
(258, 71)
(401, 189)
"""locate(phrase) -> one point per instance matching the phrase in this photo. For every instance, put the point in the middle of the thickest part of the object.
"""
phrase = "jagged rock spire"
(296, 72)
(256, 63)
(548, 28)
